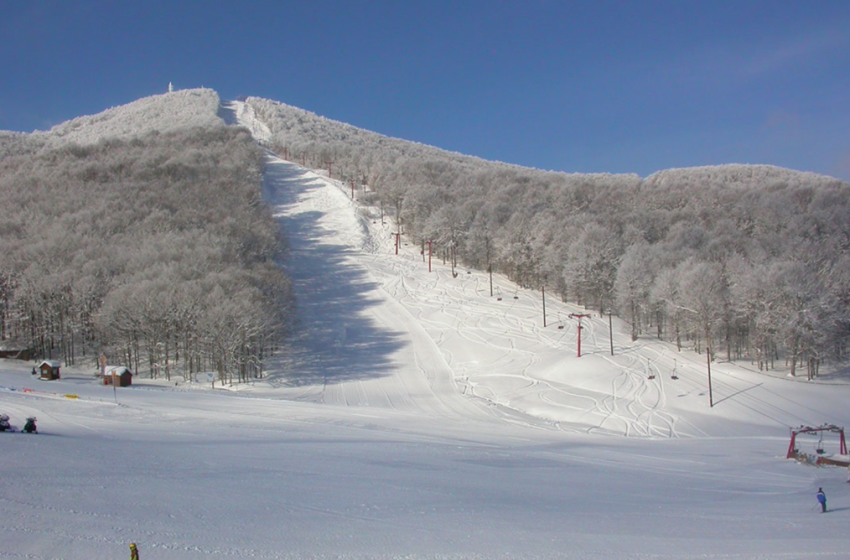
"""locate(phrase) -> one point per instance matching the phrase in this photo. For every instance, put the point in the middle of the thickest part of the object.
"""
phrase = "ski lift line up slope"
(416, 377)
(450, 349)
(427, 325)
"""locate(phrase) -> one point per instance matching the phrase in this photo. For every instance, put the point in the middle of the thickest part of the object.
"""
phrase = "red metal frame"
(809, 430)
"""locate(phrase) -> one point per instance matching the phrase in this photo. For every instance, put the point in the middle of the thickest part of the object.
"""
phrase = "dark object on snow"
(134, 551)
(4, 423)
(822, 499)
(29, 427)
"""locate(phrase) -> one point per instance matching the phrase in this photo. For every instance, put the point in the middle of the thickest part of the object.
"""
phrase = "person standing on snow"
(822, 499)
(134, 552)
(30, 426)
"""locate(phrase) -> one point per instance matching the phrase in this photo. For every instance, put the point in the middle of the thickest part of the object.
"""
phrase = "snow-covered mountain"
(416, 416)
(286, 123)
(170, 111)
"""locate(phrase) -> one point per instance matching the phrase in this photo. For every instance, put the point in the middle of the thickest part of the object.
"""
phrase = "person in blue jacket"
(822, 500)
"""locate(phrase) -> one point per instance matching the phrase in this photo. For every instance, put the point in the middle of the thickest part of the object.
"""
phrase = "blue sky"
(593, 86)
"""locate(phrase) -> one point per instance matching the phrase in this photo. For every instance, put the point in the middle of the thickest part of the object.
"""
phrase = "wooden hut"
(49, 370)
(122, 375)
(15, 350)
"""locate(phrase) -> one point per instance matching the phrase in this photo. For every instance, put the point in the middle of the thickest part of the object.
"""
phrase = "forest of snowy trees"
(141, 233)
(154, 249)
(747, 262)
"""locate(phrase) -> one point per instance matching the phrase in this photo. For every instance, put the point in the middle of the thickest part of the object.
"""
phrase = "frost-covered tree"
(114, 245)
(591, 265)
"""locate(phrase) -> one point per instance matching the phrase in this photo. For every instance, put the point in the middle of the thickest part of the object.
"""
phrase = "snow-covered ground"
(416, 416)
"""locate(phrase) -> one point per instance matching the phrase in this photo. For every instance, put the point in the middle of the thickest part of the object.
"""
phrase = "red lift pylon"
(579, 316)
(842, 443)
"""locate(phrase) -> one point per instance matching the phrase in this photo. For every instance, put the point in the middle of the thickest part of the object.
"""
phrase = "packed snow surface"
(417, 416)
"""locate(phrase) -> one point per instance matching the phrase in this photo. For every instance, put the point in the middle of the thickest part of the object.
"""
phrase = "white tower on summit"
(170, 87)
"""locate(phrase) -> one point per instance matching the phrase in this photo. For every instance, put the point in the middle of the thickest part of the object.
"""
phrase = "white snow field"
(415, 416)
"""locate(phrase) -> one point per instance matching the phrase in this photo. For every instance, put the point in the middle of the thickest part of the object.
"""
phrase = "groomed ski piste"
(415, 416)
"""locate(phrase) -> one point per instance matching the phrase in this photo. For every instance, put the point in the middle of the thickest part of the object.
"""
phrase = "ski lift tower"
(579, 316)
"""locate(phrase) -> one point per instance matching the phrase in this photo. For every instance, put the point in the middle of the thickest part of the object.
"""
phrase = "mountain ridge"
(202, 107)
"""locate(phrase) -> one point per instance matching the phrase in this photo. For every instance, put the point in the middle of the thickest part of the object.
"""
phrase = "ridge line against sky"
(619, 87)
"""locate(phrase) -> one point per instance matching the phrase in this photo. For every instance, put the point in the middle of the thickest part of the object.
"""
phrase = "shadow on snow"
(333, 340)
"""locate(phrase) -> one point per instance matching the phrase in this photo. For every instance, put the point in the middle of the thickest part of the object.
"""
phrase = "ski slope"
(377, 327)
(415, 416)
